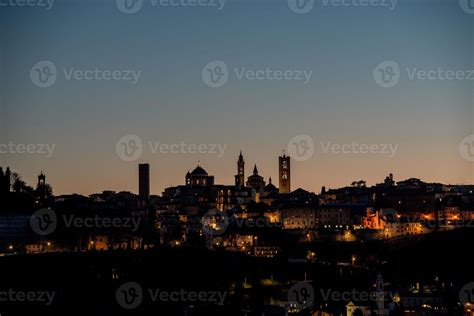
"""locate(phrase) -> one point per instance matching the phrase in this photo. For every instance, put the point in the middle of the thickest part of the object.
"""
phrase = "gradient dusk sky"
(170, 103)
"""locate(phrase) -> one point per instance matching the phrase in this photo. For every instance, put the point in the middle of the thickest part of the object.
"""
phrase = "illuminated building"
(284, 174)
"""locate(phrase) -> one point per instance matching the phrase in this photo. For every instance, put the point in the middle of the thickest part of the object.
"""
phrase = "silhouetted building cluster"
(200, 192)
(259, 215)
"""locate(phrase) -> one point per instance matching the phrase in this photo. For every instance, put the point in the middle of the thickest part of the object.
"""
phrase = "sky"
(417, 127)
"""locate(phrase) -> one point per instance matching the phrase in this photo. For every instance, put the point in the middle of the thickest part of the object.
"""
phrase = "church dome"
(270, 187)
(199, 171)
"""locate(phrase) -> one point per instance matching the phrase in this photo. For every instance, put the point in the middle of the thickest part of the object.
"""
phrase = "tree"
(20, 186)
(44, 191)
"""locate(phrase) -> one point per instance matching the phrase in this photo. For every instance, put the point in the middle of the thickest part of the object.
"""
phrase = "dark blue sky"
(170, 103)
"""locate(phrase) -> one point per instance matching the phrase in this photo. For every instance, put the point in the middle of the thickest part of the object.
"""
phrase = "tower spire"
(255, 170)
(240, 176)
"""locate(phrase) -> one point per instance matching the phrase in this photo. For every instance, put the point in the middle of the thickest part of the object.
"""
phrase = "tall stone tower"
(284, 173)
(144, 181)
(240, 176)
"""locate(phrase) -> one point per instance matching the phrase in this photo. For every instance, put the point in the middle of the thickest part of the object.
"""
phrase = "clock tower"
(284, 173)
(240, 176)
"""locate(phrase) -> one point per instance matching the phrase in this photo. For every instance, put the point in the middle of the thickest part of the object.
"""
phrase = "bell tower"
(41, 179)
(284, 173)
(240, 176)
